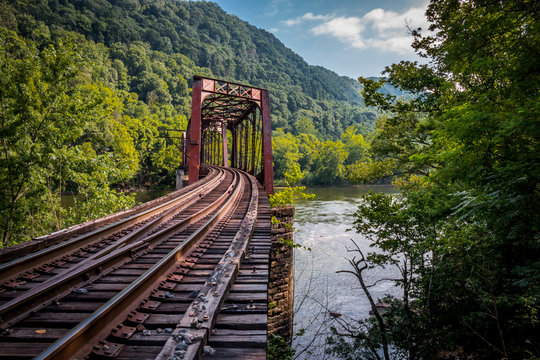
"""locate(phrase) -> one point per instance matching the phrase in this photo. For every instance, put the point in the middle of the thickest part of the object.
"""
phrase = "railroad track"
(181, 277)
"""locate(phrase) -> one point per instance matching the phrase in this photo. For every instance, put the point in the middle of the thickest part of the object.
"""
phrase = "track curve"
(154, 283)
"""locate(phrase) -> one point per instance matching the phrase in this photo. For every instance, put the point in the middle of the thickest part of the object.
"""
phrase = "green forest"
(87, 88)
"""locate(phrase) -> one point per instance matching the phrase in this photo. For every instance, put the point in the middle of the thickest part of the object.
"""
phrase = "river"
(323, 224)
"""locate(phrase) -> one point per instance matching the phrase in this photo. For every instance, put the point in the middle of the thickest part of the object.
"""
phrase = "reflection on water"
(323, 224)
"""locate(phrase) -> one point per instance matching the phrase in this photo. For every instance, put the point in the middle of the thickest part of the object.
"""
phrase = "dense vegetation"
(319, 162)
(62, 129)
(145, 39)
(464, 234)
(88, 86)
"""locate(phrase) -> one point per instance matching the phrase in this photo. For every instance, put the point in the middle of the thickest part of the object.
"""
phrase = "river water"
(323, 225)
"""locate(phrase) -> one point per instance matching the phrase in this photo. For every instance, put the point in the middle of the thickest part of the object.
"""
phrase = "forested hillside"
(145, 37)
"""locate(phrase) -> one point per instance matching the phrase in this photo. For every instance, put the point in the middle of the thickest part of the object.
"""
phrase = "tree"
(355, 145)
(56, 130)
(213, 43)
(285, 153)
(467, 138)
(328, 163)
(38, 115)
(305, 126)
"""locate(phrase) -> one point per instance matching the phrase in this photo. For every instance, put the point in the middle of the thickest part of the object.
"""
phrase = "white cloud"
(382, 29)
(348, 30)
(307, 16)
(389, 21)
(274, 7)
(399, 44)
(310, 16)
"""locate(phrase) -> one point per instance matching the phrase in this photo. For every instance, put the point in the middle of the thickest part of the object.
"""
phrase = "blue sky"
(351, 37)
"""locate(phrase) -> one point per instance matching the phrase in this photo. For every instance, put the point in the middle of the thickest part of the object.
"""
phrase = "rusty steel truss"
(227, 114)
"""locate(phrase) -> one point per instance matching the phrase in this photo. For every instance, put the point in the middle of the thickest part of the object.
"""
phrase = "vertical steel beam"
(195, 131)
(207, 151)
(246, 152)
(246, 142)
(236, 136)
(218, 148)
(224, 140)
(207, 148)
(241, 152)
(203, 148)
(217, 142)
(210, 148)
(253, 142)
(234, 163)
(267, 143)
(259, 145)
(215, 148)
(239, 148)
(184, 150)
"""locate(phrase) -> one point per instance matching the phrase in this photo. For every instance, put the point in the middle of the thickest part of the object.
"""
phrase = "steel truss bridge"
(184, 276)
(222, 112)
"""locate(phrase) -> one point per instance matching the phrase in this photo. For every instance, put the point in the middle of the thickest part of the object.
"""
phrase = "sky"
(351, 37)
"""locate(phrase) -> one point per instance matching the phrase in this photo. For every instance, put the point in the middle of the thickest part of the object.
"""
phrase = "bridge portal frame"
(236, 103)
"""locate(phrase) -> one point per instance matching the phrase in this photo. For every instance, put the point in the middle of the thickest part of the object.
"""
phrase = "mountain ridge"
(230, 48)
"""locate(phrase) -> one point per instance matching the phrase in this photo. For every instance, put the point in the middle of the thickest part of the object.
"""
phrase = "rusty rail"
(214, 291)
(104, 259)
(184, 247)
(54, 252)
(78, 338)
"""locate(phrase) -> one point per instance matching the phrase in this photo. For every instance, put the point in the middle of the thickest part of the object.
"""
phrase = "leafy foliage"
(279, 348)
(465, 228)
(320, 162)
(290, 193)
(89, 89)
(56, 130)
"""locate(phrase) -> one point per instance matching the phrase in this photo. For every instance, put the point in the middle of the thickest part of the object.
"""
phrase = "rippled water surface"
(323, 224)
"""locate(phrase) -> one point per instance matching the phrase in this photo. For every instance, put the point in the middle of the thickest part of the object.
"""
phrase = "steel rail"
(48, 240)
(17, 266)
(218, 285)
(86, 332)
(63, 282)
